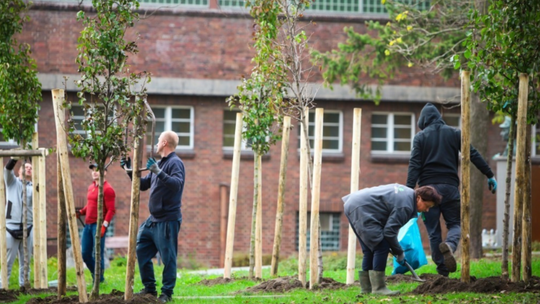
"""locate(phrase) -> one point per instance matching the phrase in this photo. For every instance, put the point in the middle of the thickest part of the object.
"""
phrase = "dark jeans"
(159, 237)
(376, 259)
(87, 244)
(450, 208)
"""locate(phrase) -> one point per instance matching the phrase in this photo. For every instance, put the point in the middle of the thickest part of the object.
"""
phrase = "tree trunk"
(508, 183)
(465, 176)
(480, 115)
(281, 195)
(258, 228)
(94, 295)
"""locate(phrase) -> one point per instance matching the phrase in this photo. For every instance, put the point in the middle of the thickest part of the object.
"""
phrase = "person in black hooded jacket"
(434, 162)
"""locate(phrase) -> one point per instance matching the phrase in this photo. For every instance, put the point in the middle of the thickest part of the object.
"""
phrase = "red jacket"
(90, 210)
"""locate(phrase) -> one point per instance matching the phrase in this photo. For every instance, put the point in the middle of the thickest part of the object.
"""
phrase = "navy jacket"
(379, 212)
(166, 189)
(435, 154)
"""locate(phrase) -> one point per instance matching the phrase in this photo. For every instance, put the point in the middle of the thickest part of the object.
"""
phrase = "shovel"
(415, 276)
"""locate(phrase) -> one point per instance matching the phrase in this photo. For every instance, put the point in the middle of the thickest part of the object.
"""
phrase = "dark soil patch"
(7, 296)
(440, 285)
(400, 278)
(115, 297)
(220, 280)
(284, 284)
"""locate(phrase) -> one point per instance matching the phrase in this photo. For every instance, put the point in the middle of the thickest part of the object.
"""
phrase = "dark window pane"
(378, 132)
(181, 127)
(331, 117)
(402, 146)
(183, 141)
(402, 119)
(378, 146)
(330, 144)
(331, 131)
(402, 133)
(379, 119)
(181, 113)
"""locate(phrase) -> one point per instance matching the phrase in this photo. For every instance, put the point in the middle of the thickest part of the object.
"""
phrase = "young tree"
(260, 97)
(20, 92)
(107, 94)
(504, 43)
(421, 34)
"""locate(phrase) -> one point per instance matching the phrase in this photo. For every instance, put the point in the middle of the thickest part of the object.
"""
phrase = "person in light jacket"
(376, 214)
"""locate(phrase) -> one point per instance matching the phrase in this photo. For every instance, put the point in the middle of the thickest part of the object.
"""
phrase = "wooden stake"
(519, 188)
(36, 214)
(62, 223)
(258, 227)
(223, 200)
(58, 100)
(526, 251)
(233, 196)
(281, 195)
(43, 218)
(465, 175)
(355, 172)
(3, 251)
(303, 197)
(133, 218)
(315, 197)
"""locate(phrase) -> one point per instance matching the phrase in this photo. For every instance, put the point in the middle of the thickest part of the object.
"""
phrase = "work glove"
(152, 166)
(78, 214)
(103, 230)
(125, 163)
(401, 259)
(492, 184)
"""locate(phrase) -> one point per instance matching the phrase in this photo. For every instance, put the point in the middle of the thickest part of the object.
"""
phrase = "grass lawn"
(189, 291)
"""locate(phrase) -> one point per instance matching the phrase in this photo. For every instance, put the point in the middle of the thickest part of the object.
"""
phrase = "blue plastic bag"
(410, 240)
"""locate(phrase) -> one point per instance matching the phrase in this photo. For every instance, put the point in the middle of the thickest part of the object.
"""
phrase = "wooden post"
(133, 218)
(36, 213)
(223, 200)
(520, 175)
(43, 218)
(355, 171)
(526, 251)
(315, 197)
(3, 251)
(303, 197)
(58, 100)
(281, 194)
(235, 171)
(258, 227)
(465, 175)
(62, 223)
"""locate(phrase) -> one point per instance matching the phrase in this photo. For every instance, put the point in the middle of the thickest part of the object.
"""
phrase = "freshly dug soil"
(440, 285)
(400, 278)
(220, 280)
(284, 284)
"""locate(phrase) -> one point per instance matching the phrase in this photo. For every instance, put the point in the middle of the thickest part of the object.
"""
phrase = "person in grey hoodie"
(376, 214)
(434, 162)
(14, 216)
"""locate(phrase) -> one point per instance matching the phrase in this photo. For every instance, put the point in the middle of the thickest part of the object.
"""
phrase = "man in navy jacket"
(434, 162)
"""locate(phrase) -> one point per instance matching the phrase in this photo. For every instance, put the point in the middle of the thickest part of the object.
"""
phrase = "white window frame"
(335, 218)
(244, 145)
(390, 133)
(168, 125)
(311, 137)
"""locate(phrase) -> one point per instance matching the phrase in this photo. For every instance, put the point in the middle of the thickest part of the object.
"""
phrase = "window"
(6, 142)
(181, 2)
(392, 132)
(332, 130)
(177, 119)
(453, 120)
(330, 223)
(360, 6)
(229, 127)
(232, 3)
(77, 115)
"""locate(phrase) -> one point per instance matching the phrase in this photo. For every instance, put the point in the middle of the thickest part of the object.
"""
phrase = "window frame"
(334, 224)
(244, 146)
(390, 132)
(168, 120)
(311, 125)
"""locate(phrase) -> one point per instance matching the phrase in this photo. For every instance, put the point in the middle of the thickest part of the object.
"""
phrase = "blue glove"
(492, 184)
(401, 259)
(125, 163)
(152, 166)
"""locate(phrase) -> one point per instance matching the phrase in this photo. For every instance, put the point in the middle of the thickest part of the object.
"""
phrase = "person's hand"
(401, 259)
(78, 214)
(125, 163)
(103, 230)
(152, 166)
(492, 184)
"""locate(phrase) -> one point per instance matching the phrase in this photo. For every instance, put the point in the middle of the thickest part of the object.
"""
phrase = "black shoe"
(163, 298)
(449, 260)
(146, 292)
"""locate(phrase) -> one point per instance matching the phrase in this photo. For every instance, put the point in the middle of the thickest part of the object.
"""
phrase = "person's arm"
(9, 175)
(397, 219)
(415, 163)
(174, 175)
(477, 159)
(109, 198)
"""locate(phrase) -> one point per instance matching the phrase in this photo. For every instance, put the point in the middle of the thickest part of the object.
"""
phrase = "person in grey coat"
(376, 214)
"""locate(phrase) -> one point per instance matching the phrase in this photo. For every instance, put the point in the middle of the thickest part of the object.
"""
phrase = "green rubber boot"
(378, 285)
(365, 283)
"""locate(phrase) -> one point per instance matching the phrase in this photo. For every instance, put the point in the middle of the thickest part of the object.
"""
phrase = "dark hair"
(428, 193)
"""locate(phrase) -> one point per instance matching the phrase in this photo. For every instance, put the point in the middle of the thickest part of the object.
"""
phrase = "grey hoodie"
(14, 193)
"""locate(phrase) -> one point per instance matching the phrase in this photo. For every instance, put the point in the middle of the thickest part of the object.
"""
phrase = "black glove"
(11, 164)
(125, 163)
(401, 259)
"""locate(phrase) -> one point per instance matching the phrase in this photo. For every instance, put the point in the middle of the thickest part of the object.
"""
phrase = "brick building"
(197, 51)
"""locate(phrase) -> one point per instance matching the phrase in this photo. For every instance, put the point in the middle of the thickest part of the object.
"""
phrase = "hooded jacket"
(379, 212)
(435, 154)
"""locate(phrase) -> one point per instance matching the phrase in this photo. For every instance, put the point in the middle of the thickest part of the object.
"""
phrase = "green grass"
(188, 290)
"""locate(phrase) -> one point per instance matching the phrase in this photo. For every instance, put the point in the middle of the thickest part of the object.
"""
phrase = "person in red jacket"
(90, 210)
